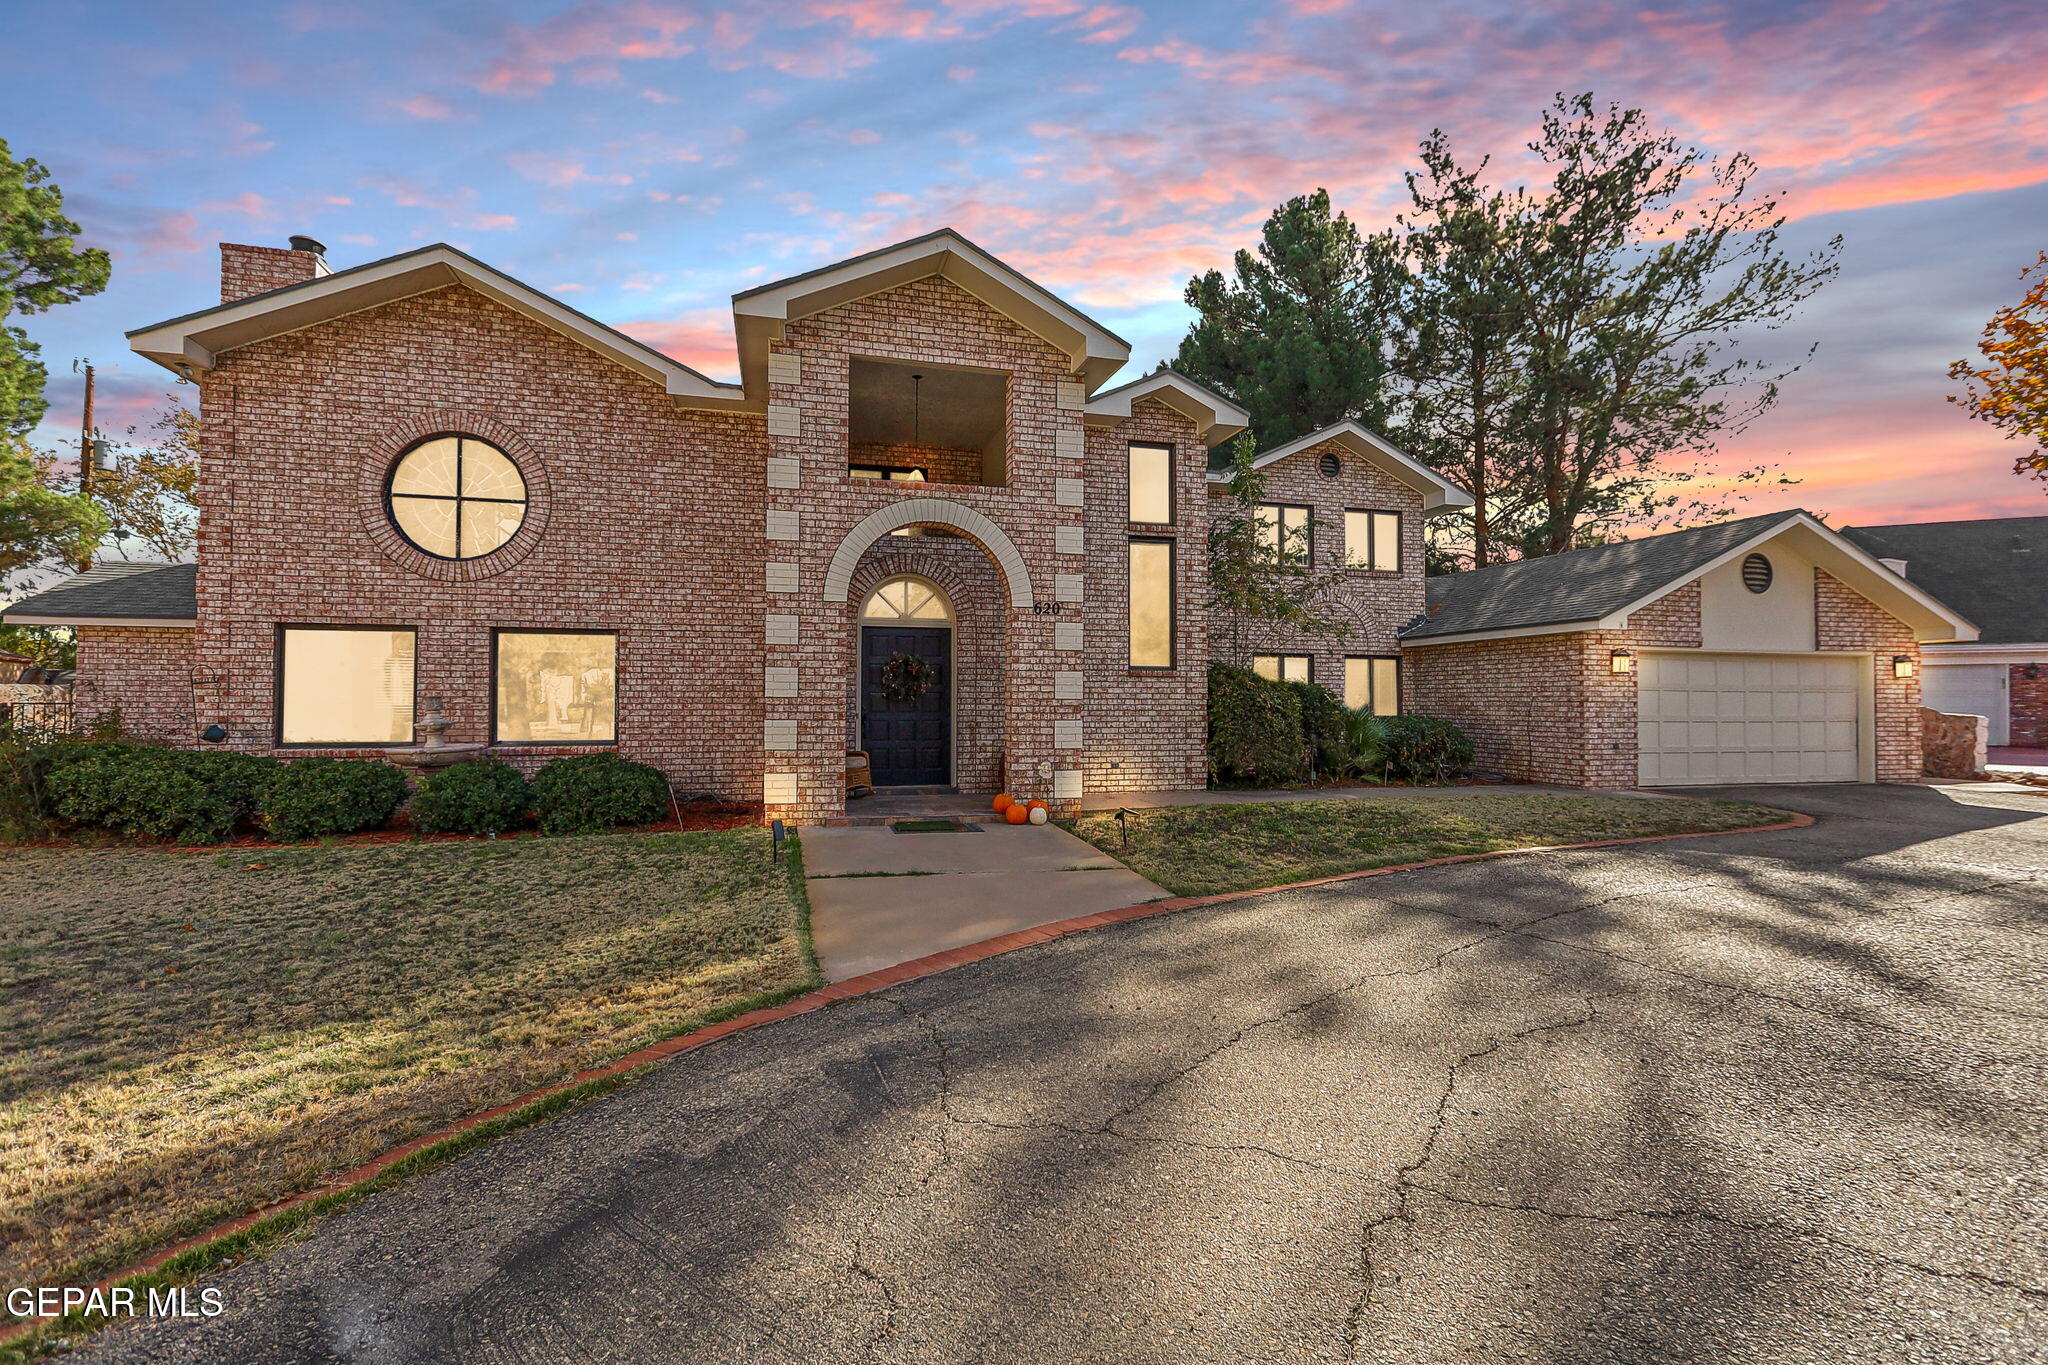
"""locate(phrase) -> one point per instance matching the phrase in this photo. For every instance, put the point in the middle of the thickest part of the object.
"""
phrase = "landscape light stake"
(776, 835)
(1123, 814)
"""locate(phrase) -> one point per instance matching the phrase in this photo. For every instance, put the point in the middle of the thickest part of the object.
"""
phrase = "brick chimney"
(246, 270)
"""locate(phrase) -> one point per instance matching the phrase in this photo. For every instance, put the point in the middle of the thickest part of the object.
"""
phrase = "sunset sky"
(645, 160)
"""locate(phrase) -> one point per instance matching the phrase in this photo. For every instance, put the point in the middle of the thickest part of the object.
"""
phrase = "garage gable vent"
(1756, 573)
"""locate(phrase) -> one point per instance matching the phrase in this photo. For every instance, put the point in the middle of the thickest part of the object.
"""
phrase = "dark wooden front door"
(909, 743)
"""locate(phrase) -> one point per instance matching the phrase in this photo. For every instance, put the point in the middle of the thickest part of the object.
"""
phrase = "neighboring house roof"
(196, 340)
(1598, 587)
(1216, 418)
(1995, 571)
(1438, 493)
(760, 313)
(114, 595)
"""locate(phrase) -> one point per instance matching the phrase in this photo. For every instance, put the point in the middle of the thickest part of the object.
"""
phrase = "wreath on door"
(905, 677)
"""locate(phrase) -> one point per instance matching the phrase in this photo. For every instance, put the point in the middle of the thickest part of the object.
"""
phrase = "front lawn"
(1203, 850)
(187, 1036)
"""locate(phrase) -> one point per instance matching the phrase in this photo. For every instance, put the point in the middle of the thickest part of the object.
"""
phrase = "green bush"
(1423, 749)
(1255, 731)
(240, 779)
(1325, 738)
(1364, 744)
(483, 797)
(156, 793)
(593, 792)
(311, 798)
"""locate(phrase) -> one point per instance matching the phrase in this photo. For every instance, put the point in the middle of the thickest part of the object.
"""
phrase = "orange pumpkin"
(1016, 814)
(1003, 802)
(1036, 804)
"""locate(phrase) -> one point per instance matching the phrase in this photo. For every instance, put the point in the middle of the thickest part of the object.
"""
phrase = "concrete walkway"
(879, 898)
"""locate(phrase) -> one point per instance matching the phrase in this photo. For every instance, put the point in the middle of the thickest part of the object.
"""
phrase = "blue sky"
(645, 160)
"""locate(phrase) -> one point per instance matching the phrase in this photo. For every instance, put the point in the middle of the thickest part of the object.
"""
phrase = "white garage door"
(1736, 718)
(1970, 690)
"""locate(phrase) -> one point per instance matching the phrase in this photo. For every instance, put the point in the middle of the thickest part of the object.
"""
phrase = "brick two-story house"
(422, 478)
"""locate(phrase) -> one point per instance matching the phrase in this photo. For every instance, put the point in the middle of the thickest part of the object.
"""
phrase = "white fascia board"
(1936, 655)
(1947, 625)
(1439, 493)
(196, 341)
(1504, 633)
(168, 623)
(1216, 418)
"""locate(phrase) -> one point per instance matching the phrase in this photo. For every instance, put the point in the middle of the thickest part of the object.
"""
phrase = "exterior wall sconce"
(1621, 661)
(2032, 671)
(213, 734)
(1903, 666)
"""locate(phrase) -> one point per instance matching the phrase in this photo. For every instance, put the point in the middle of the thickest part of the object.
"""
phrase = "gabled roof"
(1216, 418)
(195, 340)
(1995, 570)
(759, 314)
(1598, 587)
(114, 595)
(1438, 493)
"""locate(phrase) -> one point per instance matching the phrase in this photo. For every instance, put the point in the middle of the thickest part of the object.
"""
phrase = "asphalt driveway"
(1740, 1099)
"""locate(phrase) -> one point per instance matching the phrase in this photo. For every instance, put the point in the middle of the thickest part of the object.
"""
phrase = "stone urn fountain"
(433, 752)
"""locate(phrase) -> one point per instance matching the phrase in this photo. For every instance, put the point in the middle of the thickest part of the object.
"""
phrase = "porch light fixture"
(1902, 666)
(2032, 671)
(1621, 661)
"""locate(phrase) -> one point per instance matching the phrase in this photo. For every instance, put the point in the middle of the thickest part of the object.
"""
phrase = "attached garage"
(1972, 690)
(1727, 719)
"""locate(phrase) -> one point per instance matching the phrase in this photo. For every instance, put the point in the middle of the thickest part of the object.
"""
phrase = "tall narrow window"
(1372, 540)
(1286, 532)
(1151, 592)
(556, 687)
(344, 685)
(1152, 484)
(1285, 667)
(1373, 684)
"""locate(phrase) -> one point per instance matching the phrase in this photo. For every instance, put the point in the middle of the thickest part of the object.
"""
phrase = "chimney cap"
(300, 242)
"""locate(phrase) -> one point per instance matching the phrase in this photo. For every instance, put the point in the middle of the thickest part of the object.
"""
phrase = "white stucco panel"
(1778, 619)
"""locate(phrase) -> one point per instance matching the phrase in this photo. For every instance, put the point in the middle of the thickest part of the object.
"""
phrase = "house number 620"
(1046, 608)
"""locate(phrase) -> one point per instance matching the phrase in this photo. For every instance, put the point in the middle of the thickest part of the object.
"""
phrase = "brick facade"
(2029, 699)
(1844, 620)
(246, 270)
(147, 673)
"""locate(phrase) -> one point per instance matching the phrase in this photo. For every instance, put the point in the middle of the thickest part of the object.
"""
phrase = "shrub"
(482, 797)
(1423, 749)
(240, 779)
(1254, 728)
(593, 792)
(1325, 740)
(156, 793)
(311, 798)
(1364, 744)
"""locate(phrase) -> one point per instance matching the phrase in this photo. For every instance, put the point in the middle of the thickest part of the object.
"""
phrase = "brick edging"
(849, 989)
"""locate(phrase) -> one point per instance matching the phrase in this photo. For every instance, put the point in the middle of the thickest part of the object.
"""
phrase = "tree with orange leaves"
(2011, 392)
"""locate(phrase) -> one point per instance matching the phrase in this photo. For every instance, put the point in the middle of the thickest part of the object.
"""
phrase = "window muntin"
(1373, 683)
(888, 472)
(1150, 583)
(1286, 532)
(555, 687)
(456, 497)
(1151, 483)
(1285, 667)
(906, 599)
(1372, 540)
(345, 685)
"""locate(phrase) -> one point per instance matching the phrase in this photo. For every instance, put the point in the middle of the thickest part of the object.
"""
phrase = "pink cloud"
(546, 169)
(703, 340)
(426, 107)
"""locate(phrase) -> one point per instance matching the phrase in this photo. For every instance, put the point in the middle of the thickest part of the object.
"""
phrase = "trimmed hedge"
(594, 792)
(1255, 731)
(186, 797)
(485, 796)
(1423, 749)
(1325, 736)
(313, 798)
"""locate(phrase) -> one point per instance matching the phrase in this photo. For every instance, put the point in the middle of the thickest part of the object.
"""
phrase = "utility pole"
(85, 457)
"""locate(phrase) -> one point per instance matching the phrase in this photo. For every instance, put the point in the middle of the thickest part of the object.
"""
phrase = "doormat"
(934, 827)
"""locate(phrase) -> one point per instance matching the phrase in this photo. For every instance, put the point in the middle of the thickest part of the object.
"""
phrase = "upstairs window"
(1286, 532)
(1151, 469)
(1372, 540)
(949, 422)
(1150, 587)
(455, 497)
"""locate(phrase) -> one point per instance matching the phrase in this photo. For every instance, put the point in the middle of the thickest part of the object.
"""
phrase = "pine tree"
(41, 266)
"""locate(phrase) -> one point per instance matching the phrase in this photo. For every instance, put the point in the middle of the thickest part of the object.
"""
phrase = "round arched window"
(456, 497)
(907, 599)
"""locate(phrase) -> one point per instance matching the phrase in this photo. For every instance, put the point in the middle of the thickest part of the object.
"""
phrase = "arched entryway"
(905, 703)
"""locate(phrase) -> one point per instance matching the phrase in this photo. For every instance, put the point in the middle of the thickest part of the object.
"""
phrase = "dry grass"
(1204, 850)
(188, 1036)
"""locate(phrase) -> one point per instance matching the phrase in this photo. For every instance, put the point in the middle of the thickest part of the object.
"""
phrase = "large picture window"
(1286, 531)
(1151, 592)
(1373, 684)
(344, 685)
(556, 687)
(1285, 667)
(455, 497)
(1152, 484)
(1372, 540)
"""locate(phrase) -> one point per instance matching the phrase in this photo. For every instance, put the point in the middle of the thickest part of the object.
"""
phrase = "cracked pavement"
(1749, 1098)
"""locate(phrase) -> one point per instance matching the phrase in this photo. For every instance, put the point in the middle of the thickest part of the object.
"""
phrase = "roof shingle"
(1993, 571)
(166, 592)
